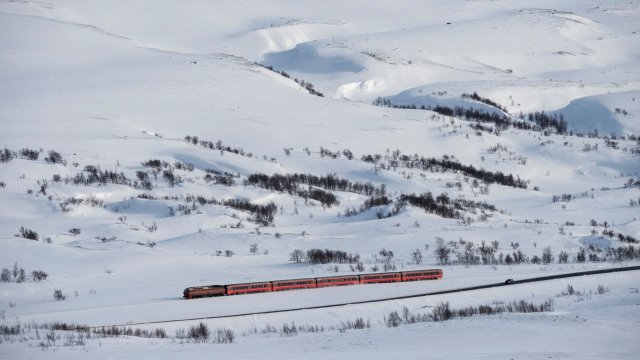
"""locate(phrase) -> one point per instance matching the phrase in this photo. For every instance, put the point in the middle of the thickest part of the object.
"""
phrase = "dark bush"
(487, 101)
(563, 257)
(6, 155)
(223, 336)
(155, 163)
(199, 333)
(171, 178)
(29, 154)
(57, 294)
(441, 312)
(39, 275)
(547, 255)
(5, 275)
(319, 256)
(296, 256)
(290, 183)
(540, 119)
(393, 319)
(28, 233)
(55, 158)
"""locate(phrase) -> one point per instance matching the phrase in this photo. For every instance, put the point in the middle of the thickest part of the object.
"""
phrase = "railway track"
(443, 292)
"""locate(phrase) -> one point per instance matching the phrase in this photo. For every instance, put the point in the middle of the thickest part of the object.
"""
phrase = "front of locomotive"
(187, 293)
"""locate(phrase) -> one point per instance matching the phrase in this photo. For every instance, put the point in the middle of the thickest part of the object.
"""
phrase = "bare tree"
(253, 248)
(39, 275)
(563, 257)
(547, 255)
(199, 333)
(296, 256)
(469, 257)
(442, 251)
(15, 271)
(5, 276)
(57, 294)
(416, 256)
(22, 276)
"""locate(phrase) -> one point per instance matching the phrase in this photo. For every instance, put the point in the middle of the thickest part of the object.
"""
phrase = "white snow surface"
(113, 84)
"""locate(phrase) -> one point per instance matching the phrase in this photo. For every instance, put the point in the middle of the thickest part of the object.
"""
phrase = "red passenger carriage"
(422, 275)
(248, 288)
(380, 278)
(293, 284)
(337, 280)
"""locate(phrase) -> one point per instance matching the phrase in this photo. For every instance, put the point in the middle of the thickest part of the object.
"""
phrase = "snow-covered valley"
(150, 146)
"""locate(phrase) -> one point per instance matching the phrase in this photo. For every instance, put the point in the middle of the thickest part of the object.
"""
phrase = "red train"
(308, 283)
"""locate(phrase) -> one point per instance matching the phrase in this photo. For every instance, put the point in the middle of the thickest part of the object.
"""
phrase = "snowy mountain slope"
(112, 87)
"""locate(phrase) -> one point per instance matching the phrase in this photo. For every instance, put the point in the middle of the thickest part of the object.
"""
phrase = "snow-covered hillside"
(150, 146)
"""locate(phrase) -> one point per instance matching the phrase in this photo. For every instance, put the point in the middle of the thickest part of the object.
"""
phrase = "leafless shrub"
(39, 275)
(547, 255)
(393, 319)
(5, 275)
(199, 333)
(444, 312)
(296, 256)
(28, 233)
(289, 330)
(16, 329)
(55, 158)
(570, 290)
(253, 248)
(116, 331)
(357, 324)
(563, 257)
(181, 334)
(223, 336)
(57, 295)
(441, 312)
(416, 256)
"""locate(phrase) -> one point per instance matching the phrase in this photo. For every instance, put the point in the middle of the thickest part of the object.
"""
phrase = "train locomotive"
(310, 283)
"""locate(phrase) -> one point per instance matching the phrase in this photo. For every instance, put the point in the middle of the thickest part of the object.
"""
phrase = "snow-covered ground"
(110, 85)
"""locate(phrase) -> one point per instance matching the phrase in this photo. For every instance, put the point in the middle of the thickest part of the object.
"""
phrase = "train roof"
(382, 273)
(422, 270)
(337, 276)
(293, 279)
(247, 283)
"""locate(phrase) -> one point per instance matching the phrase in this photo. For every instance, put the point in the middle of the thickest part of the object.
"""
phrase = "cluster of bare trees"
(536, 120)
(18, 274)
(447, 163)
